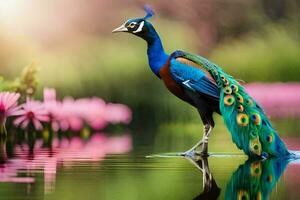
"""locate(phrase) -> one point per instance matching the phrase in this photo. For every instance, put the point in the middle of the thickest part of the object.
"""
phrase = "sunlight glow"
(10, 10)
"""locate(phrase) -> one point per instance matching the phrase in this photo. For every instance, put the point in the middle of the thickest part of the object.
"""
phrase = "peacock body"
(246, 121)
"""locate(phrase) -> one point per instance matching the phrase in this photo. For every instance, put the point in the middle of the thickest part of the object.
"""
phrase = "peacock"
(204, 85)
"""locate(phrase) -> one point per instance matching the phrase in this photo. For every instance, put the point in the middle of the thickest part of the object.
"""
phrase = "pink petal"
(25, 124)
(15, 111)
(43, 118)
(19, 120)
(12, 99)
(37, 124)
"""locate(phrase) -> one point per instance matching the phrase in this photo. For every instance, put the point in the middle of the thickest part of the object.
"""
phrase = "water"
(102, 166)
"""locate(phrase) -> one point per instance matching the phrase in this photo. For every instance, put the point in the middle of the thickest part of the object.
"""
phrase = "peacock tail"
(250, 128)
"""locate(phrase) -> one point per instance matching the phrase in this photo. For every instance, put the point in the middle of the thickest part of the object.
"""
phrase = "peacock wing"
(193, 77)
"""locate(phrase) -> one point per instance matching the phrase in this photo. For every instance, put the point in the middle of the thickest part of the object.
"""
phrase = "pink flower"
(49, 95)
(8, 105)
(72, 114)
(93, 111)
(69, 116)
(53, 107)
(32, 112)
(117, 113)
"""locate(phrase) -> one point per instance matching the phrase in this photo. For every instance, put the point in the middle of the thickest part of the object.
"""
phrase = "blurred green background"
(72, 44)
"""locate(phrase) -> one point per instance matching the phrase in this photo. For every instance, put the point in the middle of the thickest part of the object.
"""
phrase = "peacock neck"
(157, 57)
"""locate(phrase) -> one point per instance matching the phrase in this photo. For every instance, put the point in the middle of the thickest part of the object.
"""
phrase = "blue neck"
(157, 57)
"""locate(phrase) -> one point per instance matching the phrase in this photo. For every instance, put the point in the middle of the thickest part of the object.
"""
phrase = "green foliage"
(272, 55)
(26, 84)
(6, 85)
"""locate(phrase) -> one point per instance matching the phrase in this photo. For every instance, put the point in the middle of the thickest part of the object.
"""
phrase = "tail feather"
(249, 126)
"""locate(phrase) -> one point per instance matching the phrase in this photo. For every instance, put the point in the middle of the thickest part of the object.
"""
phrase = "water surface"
(115, 167)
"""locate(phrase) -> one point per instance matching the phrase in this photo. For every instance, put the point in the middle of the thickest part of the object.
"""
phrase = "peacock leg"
(196, 146)
(207, 130)
(203, 142)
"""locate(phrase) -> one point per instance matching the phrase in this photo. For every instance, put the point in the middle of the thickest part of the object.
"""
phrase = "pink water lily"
(8, 107)
(32, 112)
(73, 114)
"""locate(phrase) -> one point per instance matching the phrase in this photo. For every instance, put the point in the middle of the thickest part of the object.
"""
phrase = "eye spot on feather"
(226, 82)
(242, 195)
(227, 90)
(269, 138)
(255, 169)
(239, 98)
(256, 119)
(269, 178)
(240, 108)
(223, 77)
(249, 102)
(234, 88)
(253, 134)
(255, 146)
(228, 100)
(242, 119)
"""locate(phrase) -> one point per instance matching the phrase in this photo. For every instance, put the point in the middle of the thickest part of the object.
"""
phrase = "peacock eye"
(131, 25)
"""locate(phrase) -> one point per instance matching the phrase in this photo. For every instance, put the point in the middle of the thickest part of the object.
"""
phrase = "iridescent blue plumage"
(193, 79)
(156, 53)
(205, 86)
(149, 12)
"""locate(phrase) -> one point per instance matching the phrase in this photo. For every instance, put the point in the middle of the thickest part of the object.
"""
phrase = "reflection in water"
(3, 154)
(254, 179)
(46, 155)
(210, 188)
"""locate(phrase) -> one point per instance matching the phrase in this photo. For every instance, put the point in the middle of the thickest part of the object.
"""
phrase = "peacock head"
(138, 26)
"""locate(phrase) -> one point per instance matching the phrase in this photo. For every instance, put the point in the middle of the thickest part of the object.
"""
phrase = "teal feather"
(246, 121)
(255, 179)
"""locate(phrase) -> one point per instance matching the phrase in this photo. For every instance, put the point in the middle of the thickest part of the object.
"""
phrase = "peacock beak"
(122, 28)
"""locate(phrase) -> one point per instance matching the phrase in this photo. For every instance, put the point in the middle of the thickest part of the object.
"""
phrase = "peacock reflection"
(210, 187)
(22, 158)
(254, 179)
